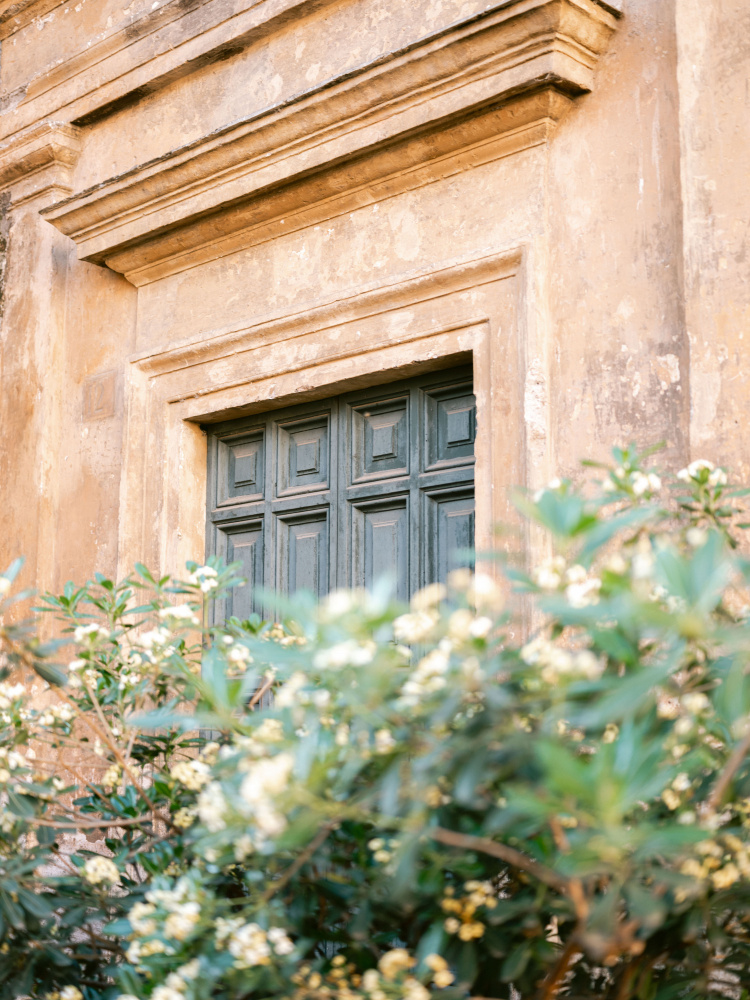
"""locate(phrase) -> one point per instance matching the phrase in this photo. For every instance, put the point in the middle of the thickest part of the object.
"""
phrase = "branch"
(85, 824)
(554, 981)
(263, 689)
(731, 768)
(507, 854)
(112, 744)
(319, 839)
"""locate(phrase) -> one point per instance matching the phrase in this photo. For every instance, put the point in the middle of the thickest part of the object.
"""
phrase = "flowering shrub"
(439, 800)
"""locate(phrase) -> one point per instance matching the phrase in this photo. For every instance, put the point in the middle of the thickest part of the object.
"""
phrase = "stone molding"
(146, 55)
(39, 163)
(418, 322)
(16, 14)
(455, 84)
(356, 306)
(149, 53)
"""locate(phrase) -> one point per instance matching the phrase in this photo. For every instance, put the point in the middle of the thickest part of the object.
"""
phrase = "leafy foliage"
(380, 802)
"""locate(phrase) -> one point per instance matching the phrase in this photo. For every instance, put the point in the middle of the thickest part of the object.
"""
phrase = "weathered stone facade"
(213, 207)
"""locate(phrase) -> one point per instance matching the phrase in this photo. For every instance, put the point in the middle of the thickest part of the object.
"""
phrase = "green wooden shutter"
(339, 492)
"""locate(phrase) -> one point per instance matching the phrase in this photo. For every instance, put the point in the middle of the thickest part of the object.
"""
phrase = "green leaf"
(516, 962)
(37, 904)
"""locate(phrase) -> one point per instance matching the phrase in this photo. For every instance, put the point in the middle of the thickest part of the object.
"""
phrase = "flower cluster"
(462, 909)
(556, 662)
(249, 944)
(101, 871)
(580, 587)
(702, 471)
(634, 481)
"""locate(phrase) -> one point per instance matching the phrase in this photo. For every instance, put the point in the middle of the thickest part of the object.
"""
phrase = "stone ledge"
(16, 14)
(39, 161)
(212, 188)
(142, 58)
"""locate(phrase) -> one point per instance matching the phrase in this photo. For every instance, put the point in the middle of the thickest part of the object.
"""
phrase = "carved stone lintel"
(468, 85)
(39, 163)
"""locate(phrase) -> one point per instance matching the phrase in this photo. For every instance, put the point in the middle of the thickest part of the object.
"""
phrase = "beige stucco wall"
(587, 244)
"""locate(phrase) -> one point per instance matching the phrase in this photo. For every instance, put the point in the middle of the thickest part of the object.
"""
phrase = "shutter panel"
(344, 491)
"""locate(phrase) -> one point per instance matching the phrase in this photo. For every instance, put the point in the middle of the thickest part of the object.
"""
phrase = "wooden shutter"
(338, 492)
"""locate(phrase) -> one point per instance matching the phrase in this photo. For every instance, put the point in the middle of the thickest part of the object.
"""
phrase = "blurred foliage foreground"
(434, 802)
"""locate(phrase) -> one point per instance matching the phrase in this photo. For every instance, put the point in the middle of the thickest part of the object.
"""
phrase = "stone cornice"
(16, 14)
(145, 56)
(209, 189)
(148, 53)
(40, 162)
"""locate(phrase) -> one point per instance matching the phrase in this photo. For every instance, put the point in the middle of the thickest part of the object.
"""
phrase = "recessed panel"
(448, 533)
(245, 546)
(302, 553)
(380, 545)
(451, 426)
(241, 468)
(380, 440)
(303, 456)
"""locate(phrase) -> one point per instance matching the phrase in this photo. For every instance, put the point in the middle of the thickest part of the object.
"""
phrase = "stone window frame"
(469, 310)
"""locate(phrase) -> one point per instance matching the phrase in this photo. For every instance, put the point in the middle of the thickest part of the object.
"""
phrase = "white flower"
(99, 869)
(349, 653)
(342, 735)
(384, 741)
(204, 577)
(371, 980)
(548, 576)
(717, 478)
(249, 946)
(338, 603)
(240, 654)
(269, 776)
(321, 699)
(10, 693)
(286, 696)
(281, 942)
(694, 470)
(576, 574)
(643, 565)
(156, 637)
(181, 922)
(265, 779)
(4, 585)
(212, 807)
(414, 627)
(111, 777)
(70, 993)
(695, 703)
(581, 595)
(681, 783)
(587, 664)
(696, 537)
(645, 483)
(269, 731)
(90, 632)
(180, 612)
(165, 992)
(429, 597)
(190, 969)
(193, 774)
(133, 954)
(141, 918)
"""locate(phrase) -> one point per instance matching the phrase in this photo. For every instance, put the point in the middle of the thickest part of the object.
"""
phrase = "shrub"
(436, 800)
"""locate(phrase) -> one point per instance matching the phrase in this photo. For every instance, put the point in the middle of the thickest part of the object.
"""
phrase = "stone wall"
(213, 207)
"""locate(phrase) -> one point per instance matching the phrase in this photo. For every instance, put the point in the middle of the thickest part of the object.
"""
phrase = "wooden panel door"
(340, 492)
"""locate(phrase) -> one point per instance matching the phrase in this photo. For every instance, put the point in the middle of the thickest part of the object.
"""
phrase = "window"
(338, 492)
